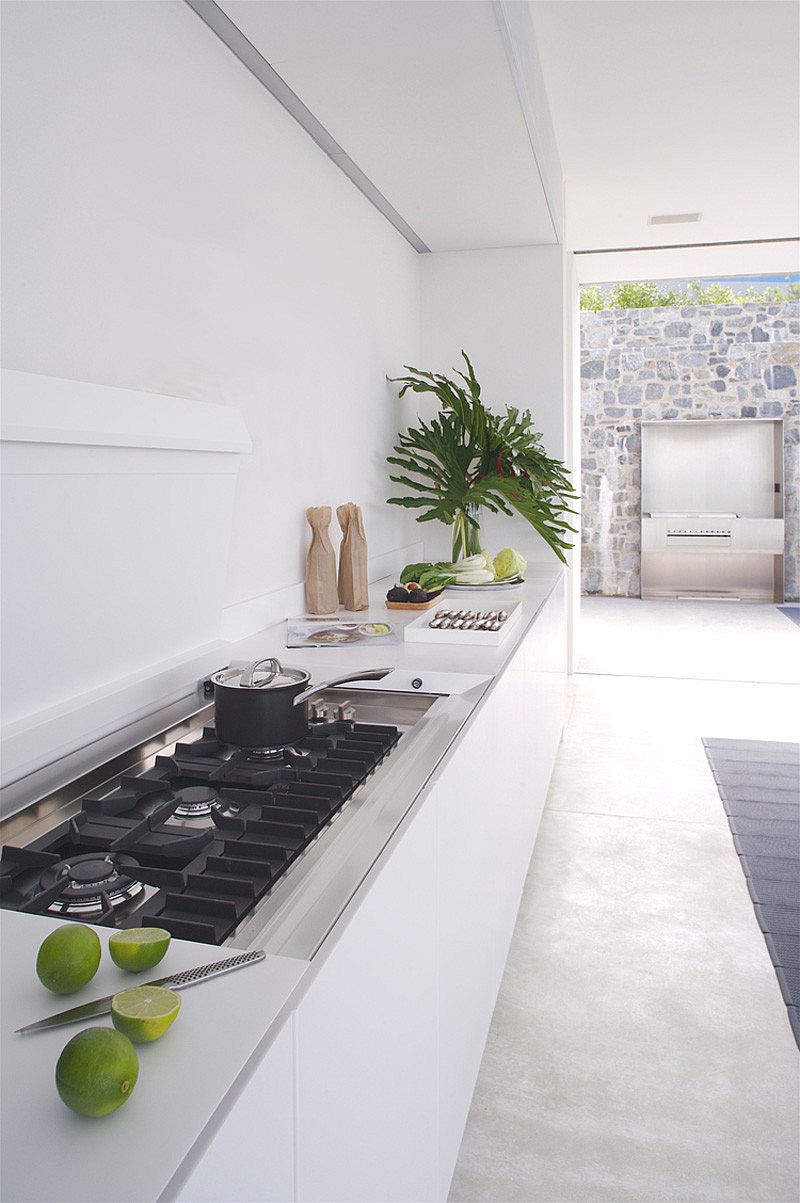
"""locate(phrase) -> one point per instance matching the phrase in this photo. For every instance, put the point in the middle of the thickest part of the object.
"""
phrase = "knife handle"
(201, 973)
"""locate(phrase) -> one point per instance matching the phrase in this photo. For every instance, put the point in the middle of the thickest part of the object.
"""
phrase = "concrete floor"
(723, 641)
(640, 1048)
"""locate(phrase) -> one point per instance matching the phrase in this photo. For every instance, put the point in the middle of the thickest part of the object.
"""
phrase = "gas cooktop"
(194, 843)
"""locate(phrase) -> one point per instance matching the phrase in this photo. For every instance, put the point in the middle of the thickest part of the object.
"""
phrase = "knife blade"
(174, 981)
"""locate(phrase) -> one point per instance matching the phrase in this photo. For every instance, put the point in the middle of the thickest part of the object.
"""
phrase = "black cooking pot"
(263, 705)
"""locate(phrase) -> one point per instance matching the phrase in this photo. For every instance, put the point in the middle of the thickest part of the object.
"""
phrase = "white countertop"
(540, 577)
(49, 1153)
(224, 1025)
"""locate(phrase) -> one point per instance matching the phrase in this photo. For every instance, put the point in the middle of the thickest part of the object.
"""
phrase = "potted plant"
(467, 458)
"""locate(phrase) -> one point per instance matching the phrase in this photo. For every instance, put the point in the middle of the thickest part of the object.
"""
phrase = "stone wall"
(728, 361)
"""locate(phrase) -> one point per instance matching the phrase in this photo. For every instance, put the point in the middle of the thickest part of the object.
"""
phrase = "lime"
(145, 1012)
(97, 1071)
(138, 948)
(68, 958)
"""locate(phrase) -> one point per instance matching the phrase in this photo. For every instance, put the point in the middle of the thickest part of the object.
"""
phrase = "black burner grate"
(208, 831)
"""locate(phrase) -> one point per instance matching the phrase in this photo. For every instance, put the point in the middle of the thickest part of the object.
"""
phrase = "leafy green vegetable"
(473, 571)
(412, 572)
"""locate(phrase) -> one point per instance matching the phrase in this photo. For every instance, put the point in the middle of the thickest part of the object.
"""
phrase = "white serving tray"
(419, 631)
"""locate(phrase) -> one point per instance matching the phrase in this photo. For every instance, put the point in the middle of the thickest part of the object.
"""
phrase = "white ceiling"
(658, 106)
(419, 94)
(668, 107)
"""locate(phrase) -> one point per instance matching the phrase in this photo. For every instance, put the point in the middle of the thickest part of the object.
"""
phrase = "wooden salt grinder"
(321, 594)
(353, 586)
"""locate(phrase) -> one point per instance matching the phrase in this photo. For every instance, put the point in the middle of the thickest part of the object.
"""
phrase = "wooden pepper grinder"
(321, 595)
(353, 587)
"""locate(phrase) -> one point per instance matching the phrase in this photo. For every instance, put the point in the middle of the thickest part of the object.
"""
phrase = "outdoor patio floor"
(709, 640)
(640, 1048)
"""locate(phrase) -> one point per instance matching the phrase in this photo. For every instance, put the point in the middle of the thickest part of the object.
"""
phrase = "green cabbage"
(508, 563)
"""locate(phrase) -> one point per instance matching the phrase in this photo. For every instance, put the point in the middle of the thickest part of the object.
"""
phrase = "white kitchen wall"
(168, 227)
(506, 309)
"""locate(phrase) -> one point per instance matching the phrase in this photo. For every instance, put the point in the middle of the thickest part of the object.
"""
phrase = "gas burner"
(195, 808)
(287, 755)
(91, 882)
(195, 802)
(265, 755)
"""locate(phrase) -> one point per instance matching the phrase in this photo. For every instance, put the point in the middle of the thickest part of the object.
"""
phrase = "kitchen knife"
(175, 981)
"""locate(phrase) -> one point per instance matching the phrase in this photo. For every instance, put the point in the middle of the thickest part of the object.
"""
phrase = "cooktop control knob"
(319, 712)
(345, 712)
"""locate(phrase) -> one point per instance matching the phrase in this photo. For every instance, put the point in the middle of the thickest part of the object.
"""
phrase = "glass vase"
(466, 532)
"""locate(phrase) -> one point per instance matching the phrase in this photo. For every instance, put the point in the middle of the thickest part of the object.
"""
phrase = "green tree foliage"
(645, 294)
(593, 297)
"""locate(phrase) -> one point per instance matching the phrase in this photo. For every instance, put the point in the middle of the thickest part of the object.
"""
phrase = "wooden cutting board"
(390, 605)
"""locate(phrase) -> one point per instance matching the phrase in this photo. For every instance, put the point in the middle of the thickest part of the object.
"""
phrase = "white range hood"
(117, 515)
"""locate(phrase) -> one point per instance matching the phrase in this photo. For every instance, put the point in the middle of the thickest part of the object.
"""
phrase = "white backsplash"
(117, 513)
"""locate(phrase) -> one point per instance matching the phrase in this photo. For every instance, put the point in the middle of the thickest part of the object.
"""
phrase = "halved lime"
(97, 1071)
(138, 948)
(68, 958)
(145, 1012)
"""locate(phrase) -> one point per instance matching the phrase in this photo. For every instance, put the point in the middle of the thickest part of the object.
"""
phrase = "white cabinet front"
(367, 1043)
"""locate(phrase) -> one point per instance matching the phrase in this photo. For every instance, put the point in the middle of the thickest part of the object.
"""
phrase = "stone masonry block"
(780, 375)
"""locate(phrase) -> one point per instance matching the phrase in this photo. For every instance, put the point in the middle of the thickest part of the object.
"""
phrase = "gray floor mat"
(759, 785)
(772, 756)
(784, 950)
(786, 779)
(790, 809)
(769, 868)
(790, 985)
(756, 845)
(773, 829)
(787, 783)
(779, 920)
(774, 893)
(753, 793)
(759, 746)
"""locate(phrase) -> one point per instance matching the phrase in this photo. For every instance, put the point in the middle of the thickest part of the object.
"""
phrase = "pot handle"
(249, 672)
(372, 674)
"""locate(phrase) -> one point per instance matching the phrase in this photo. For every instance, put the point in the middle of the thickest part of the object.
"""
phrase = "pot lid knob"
(271, 671)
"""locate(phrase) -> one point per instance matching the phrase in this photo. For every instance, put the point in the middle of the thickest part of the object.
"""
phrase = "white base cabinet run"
(488, 804)
(367, 1043)
(251, 1157)
(389, 1038)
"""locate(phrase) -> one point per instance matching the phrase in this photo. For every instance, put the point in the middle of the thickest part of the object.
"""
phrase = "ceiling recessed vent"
(672, 219)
